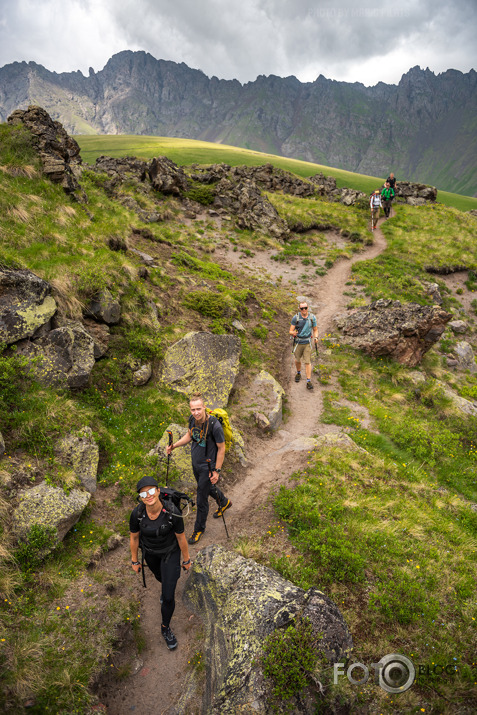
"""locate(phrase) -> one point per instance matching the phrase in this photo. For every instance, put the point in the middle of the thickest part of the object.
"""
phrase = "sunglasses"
(305, 307)
(149, 492)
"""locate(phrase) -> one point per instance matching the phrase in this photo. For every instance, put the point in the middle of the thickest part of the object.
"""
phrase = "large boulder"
(265, 396)
(25, 304)
(64, 356)
(80, 452)
(411, 191)
(59, 153)
(404, 332)
(468, 407)
(241, 603)
(50, 507)
(203, 362)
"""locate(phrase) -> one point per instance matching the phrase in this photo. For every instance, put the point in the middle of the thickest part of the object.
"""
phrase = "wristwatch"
(217, 470)
(136, 563)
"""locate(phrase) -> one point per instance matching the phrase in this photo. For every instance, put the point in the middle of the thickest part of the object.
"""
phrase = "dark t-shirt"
(157, 534)
(215, 434)
(304, 327)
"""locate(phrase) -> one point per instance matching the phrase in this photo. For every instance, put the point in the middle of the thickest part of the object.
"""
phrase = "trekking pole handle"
(169, 432)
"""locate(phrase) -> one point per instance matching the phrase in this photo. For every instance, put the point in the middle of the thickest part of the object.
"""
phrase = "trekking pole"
(214, 490)
(168, 456)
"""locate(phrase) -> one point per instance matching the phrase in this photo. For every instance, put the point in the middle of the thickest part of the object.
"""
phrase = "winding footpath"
(157, 677)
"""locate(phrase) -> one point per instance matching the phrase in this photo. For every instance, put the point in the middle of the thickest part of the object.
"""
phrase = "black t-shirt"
(157, 534)
(210, 433)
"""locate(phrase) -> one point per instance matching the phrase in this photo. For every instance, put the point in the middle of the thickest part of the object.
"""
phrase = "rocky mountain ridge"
(421, 128)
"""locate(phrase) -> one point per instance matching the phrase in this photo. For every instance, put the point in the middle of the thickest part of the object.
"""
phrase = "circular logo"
(396, 674)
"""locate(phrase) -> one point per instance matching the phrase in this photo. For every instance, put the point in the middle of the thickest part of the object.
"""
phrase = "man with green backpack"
(207, 451)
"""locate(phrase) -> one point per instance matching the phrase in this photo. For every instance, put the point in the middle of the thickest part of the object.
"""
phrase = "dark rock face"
(59, 153)
(323, 121)
(412, 191)
(166, 176)
(241, 603)
(404, 332)
(254, 211)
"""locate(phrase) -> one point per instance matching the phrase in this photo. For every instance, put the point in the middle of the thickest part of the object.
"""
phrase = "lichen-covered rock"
(80, 452)
(49, 507)
(339, 440)
(465, 357)
(265, 395)
(254, 210)
(105, 308)
(404, 332)
(65, 356)
(206, 363)
(142, 375)
(25, 304)
(241, 603)
(432, 289)
(100, 334)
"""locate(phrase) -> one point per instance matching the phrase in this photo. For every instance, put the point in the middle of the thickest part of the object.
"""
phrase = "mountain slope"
(422, 129)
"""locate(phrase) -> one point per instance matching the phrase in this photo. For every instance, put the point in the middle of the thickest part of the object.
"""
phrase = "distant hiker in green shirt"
(387, 195)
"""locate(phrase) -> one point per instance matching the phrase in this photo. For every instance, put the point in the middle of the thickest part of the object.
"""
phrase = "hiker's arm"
(315, 332)
(293, 330)
(218, 461)
(182, 541)
(134, 544)
(180, 442)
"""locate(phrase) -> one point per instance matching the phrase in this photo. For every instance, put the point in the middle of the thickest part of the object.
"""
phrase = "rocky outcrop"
(415, 194)
(59, 153)
(254, 211)
(404, 332)
(241, 603)
(465, 357)
(468, 407)
(49, 507)
(167, 177)
(26, 304)
(64, 356)
(264, 396)
(205, 363)
(80, 452)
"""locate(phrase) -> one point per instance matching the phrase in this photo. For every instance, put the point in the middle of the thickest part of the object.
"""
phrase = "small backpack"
(223, 418)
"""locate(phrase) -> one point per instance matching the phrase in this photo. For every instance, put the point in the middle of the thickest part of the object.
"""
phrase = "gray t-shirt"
(304, 327)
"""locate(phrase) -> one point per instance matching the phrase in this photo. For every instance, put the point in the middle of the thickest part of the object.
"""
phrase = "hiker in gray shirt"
(302, 326)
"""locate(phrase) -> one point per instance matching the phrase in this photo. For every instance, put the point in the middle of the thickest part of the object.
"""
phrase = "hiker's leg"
(307, 360)
(154, 563)
(170, 572)
(298, 356)
(203, 490)
(218, 495)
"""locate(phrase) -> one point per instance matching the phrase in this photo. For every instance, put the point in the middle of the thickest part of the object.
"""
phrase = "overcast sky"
(343, 40)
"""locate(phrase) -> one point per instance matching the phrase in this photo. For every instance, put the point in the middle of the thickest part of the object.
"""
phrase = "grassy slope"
(189, 151)
(407, 497)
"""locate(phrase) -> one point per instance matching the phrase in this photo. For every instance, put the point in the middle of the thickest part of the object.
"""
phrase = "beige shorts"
(303, 350)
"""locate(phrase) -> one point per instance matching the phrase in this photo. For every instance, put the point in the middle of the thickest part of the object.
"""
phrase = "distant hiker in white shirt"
(375, 205)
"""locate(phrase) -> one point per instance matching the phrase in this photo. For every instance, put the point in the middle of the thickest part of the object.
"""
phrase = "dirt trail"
(156, 679)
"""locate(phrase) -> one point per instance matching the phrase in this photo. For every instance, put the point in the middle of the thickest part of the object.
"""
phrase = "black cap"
(146, 482)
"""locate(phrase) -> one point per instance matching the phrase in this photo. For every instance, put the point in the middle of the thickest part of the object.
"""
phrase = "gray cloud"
(244, 38)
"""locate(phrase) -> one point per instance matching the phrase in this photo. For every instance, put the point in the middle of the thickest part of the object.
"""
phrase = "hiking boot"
(309, 385)
(298, 377)
(169, 637)
(195, 537)
(221, 509)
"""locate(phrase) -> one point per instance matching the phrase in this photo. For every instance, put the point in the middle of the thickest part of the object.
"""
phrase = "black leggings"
(167, 570)
(204, 489)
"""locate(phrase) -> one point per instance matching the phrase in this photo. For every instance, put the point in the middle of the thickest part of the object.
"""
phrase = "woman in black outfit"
(160, 532)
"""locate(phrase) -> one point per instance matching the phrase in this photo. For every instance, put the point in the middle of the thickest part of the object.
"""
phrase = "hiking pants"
(375, 216)
(387, 207)
(204, 489)
(167, 570)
